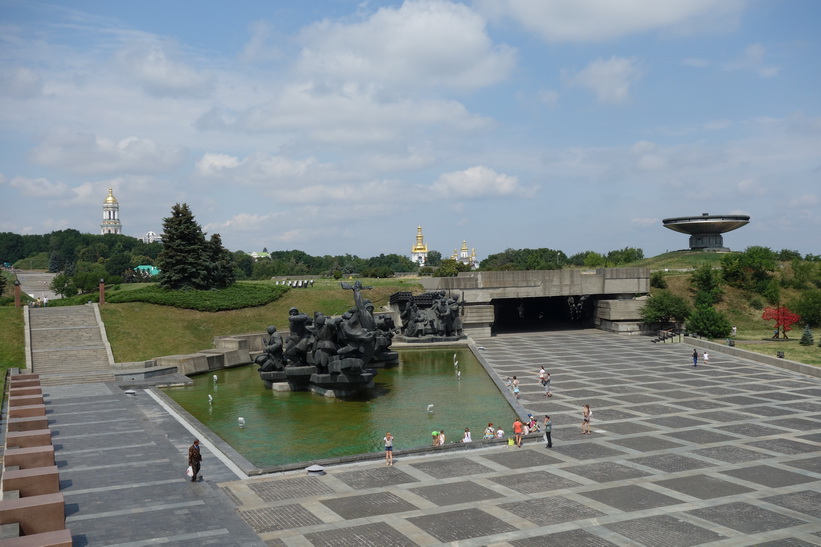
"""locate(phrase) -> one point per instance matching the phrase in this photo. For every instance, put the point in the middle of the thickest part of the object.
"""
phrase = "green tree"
(665, 307)
(657, 280)
(184, 258)
(450, 268)
(624, 256)
(220, 264)
(706, 282)
(244, 264)
(53, 262)
(3, 282)
(749, 270)
(806, 337)
(118, 263)
(707, 321)
(63, 285)
(434, 258)
(808, 306)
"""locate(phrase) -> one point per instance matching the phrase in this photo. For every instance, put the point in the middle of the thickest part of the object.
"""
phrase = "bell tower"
(111, 215)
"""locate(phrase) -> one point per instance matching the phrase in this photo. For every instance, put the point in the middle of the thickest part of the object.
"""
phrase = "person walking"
(586, 414)
(194, 459)
(548, 428)
(546, 384)
(388, 448)
(515, 387)
(695, 357)
(706, 357)
(517, 432)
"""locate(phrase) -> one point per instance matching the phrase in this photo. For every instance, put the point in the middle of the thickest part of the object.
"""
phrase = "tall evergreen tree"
(53, 262)
(221, 263)
(806, 337)
(184, 260)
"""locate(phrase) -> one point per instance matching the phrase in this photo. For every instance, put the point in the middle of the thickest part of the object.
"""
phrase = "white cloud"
(548, 97)
(753, 60)
(806, 200)
(20, 83)
(82, 152)
(716, 125)
(159, 71)
(644, 222)
(347, 114)
(39, 187)
(598, 20)
(695, 62)
(609, 79)
(751, 187)
(261, 47)
(476, 182)
(266, 171)
(422, 43)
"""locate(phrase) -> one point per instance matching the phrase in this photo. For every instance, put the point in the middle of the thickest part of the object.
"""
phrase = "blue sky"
(340, 126)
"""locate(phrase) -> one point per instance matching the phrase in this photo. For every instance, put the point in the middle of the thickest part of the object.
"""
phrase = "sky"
(337, 126)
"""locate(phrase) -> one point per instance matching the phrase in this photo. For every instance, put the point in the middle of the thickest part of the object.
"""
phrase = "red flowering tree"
(784, 319)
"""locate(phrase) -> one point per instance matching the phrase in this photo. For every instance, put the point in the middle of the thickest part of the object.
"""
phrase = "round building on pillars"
(705, 231)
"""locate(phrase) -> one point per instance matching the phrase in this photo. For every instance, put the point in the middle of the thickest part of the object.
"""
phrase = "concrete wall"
(773, 360)
(612, 287)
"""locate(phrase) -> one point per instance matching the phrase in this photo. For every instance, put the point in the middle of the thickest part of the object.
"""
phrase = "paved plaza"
(723, 454)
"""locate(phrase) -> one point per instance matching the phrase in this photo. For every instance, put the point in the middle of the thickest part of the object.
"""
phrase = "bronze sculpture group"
(441, 319)
(329, 354)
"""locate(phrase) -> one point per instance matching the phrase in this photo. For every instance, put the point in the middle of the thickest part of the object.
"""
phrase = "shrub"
(808, 306)
(806, 337)
(657, 280)
(756, 303)
(710, 323)
(237, 296)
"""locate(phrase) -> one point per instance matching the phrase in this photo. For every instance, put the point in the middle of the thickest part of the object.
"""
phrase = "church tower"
(111, 215)
(419, 252)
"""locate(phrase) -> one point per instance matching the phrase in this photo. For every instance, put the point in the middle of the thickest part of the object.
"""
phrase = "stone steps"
(67, 346)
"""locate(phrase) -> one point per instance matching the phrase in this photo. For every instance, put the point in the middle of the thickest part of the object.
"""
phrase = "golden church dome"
(110, 198)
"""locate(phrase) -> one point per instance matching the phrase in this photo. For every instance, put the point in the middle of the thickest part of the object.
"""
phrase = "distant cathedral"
(419, 252)
(465, 257)
(111, 215)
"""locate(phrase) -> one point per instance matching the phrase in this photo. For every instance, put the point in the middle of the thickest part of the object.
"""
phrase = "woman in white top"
(466, 438)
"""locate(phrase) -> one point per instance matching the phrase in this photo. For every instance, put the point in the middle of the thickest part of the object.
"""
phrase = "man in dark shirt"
(194, 459)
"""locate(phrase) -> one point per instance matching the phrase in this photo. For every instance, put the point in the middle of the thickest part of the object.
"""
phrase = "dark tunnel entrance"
(542, 313)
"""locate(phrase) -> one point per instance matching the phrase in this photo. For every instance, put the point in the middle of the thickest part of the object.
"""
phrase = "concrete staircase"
(67, 346)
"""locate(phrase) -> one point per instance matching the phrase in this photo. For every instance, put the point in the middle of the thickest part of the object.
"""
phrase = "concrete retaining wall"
(809, 370)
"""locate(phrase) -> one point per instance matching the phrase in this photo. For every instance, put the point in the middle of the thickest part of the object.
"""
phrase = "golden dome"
(420, 246)
(110, 198)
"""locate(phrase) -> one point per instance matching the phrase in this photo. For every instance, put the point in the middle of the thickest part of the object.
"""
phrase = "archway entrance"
(542, 313)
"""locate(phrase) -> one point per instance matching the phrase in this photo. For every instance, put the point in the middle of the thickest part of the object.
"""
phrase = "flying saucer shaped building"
(705, 231)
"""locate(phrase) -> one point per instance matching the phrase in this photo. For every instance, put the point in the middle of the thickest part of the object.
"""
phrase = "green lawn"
(12, 341)
(139, 331)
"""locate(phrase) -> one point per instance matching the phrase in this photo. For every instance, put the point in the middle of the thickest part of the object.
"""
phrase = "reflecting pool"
(289, 427)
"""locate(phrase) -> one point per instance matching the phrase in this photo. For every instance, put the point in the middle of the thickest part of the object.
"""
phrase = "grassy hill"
(139, 331)
(679, 260)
